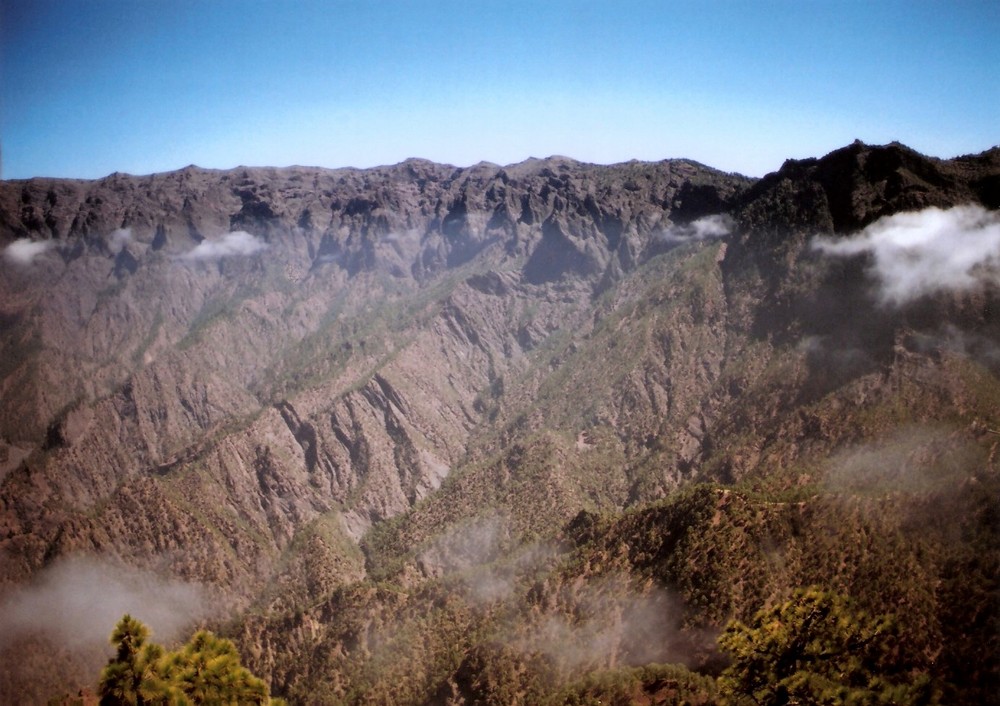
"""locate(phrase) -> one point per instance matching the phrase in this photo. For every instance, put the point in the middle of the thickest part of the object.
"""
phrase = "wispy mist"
(119, 239)
(924, 252)
(24, 251)
(471, 544)
(952, 339)
(498, 581)
(404, 244)
(607, 622)
(238, 242)
(916, 459)
(706, 228)
(76, 602)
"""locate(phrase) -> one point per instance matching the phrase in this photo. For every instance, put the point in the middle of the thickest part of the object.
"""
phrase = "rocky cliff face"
(232, 377)
(313, 337)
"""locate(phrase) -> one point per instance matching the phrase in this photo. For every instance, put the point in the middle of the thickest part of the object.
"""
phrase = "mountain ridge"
(287, 384)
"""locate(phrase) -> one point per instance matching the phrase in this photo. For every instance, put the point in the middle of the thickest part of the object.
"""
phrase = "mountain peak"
(861, 182)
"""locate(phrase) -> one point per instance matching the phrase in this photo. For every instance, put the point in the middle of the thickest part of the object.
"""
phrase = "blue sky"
(88, 87)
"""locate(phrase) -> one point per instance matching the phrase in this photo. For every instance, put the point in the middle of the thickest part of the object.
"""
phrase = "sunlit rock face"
(340, 316)
(229, 378)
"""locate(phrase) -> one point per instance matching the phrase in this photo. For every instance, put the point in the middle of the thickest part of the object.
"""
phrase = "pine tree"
(206, 670)
(122, 678)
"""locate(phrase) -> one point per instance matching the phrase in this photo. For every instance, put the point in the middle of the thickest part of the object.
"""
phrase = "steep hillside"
(416, 426)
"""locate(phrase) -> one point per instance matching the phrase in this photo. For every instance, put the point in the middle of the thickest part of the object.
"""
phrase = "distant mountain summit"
(861, 183)
(446, 414)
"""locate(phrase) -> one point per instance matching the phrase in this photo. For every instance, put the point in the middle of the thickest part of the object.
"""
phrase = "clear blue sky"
(88, 87)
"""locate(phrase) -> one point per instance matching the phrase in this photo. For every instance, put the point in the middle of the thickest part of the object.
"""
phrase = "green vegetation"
(352, 330)
(816, 648)
(220, 307)
(822, 596)
(206, 670)
(652, 683)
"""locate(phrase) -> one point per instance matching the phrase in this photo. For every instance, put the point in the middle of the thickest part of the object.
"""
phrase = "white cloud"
(718, 225)
(77, 601)
(118, 239)
(238, 242)
(23, 251)
(924, 252)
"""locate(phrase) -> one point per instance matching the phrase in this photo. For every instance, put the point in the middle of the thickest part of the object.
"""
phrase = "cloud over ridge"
(77, 601)
(925, 252)
(238, 242)
(23, 251)
(717, 225)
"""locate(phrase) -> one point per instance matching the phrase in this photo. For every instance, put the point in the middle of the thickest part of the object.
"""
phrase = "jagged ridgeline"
(509, 435)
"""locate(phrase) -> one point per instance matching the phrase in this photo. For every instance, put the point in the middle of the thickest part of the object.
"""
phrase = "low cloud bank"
(706, 228)
(926, 252)
(238, 242)
(23, 251)
(76, 603)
